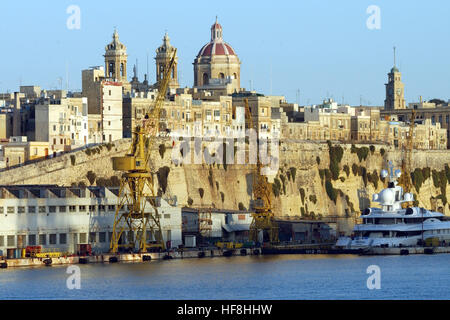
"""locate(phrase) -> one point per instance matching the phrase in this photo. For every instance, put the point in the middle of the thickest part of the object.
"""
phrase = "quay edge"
(128, 257)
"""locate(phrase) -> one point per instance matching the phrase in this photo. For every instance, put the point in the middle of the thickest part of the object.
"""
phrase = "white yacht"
(393, 226)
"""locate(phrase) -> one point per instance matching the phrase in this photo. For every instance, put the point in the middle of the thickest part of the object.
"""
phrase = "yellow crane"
(262, 217)
(133, 216)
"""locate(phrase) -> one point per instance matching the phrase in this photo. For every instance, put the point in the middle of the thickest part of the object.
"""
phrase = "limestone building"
(104, 106)
(62, 122)
(6, 123)
(18, 150)
(217, 64)
(437, 114)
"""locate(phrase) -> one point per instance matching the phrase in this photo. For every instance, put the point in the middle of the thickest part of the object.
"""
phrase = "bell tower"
(163, 55)
(395, 90)
(116, 61)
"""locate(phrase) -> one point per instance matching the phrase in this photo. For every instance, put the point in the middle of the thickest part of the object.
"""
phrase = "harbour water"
(249, 277)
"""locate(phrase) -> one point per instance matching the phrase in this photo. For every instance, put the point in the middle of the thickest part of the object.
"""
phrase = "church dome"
(216, 46)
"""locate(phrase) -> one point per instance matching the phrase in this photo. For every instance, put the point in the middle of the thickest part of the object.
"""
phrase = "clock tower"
(395, 90)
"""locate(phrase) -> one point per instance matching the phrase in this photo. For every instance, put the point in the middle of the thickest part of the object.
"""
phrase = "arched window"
(111, 70)
(235, 75)
(205, 79)
(122, 70)
(221, 75)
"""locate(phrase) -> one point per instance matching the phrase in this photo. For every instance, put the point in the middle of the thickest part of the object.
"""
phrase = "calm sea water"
(250, 277)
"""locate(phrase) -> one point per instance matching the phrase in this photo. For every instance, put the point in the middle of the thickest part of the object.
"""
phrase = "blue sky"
(321, 48)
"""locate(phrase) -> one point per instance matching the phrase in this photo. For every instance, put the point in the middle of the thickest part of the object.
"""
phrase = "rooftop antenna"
(394, 56)
(147, 66)
(67, 76)
(270, 76)
(136, 75)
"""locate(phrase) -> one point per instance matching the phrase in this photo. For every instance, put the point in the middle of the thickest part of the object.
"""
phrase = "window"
(21, 210)
(31, 209)
(102, 237)
(62, 208)
(101, 207)
(10, 209)
(2, 241)
(52, 239)
(42, 239)
(82, 237)
(72, 208)
(62, 238)
(32, 239)
(52, 209)
(82, 208)
(92, 208)
(41, 209)
(167, 216)
(10, 241)
(2, 210)
(111, 208)
(92, 237)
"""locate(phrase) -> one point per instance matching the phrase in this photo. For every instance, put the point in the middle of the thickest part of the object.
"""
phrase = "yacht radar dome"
(408, 197)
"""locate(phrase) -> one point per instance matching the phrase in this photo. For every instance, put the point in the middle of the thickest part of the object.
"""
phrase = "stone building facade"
(105, 99)
(436, 114)
(62, 122)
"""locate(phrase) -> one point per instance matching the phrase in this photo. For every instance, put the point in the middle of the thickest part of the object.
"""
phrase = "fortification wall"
(301, 187)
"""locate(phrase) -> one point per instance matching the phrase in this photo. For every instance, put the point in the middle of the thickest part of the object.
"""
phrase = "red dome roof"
(216, 48)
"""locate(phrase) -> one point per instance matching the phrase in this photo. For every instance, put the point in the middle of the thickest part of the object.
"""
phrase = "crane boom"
(137, 191)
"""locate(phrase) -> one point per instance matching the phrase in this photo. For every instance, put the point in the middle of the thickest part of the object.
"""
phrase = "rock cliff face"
(312, 180)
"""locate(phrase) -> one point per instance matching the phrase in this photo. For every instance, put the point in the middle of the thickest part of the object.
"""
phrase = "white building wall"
(76, 224)
(112, 112)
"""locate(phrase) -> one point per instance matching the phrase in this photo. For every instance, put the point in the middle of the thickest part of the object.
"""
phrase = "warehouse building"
(60, 218)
